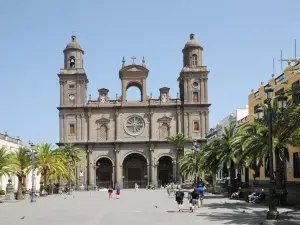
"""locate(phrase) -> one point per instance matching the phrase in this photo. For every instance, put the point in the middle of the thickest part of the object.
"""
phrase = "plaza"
(141, 207)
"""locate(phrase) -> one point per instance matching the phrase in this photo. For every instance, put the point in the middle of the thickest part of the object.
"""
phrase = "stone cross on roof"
(133, 58)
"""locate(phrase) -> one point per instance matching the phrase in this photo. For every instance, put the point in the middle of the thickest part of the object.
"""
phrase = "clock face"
(72, 97)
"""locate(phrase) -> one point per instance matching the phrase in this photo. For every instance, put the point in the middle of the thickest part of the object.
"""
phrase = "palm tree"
(179, 140)
(187, 163)
(21, 164)
(50, 163)
(72, 153)
(210, 161)
(228, 154)
(5, 167)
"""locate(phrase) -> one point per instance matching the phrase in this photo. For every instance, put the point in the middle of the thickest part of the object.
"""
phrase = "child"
(110, 191)
(118, 192)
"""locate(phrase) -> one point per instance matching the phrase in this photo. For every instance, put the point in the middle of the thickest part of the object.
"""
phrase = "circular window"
(195, 84)
(134, 125)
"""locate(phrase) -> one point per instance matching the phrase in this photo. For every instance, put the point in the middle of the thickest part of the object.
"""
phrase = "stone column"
(202, 90)
(205, 91)
(77, 173)
(91, 169)
(189, 124)
(201, 122)
(118, 172)
(83, 130)
(178, 121)
(77, 128)
(66, 128)
(123, 92)
(78, 83)
(117, 124)
(185, 89)
(151, 126)
(151, 164)
(89, 126)
(206, 121)
(61, 85)
(148, 173)
(188, 89)
(143, 91)
(202, 116)
(185, 124)
(174, 170)
(61, 128)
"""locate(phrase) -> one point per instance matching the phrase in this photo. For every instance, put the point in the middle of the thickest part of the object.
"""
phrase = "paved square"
(133, 208)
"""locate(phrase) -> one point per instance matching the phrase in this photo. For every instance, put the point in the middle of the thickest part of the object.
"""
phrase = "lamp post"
(31, 153)
(95, 167)
(272, 213)
(195, 151)
(69, 163)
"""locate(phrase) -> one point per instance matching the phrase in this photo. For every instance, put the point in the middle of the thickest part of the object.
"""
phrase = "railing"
(10, 139)
(104, 184)
(131, 184)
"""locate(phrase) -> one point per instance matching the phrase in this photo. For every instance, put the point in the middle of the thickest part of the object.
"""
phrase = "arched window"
(102, 133)
(164, 131)
(72, 62)
(194, 60)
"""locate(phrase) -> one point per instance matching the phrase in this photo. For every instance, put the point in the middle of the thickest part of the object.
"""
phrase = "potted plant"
(2, 195)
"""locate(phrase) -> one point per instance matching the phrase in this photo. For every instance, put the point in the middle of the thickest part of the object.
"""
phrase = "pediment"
(134, 68)
(103, 121)
(164, 119)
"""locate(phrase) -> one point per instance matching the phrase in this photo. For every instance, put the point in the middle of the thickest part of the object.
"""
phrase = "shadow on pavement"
(252, 217)
(232, 205)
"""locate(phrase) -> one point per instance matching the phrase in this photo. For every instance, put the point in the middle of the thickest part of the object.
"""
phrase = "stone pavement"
(141, 207)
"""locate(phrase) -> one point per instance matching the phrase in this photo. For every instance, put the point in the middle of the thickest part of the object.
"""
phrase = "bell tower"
(72, 78)
(193, 76)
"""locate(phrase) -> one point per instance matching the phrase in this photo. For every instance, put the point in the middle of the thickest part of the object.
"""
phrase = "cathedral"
(126, 141)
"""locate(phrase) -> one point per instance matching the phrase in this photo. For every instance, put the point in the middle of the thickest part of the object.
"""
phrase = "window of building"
(267, 167)
(279, 92)
(279, 78)
(195, 97)
(256, 170)
(256, 94)
(71, 99)
(296, 96)
(72, 129)
(164, 131)
(102, 133)
(196, 126)
(194, 60)
(296, 164)
(255, 108)
(72, 62)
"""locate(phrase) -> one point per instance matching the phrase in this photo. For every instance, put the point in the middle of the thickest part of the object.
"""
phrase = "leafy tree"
(179, 140)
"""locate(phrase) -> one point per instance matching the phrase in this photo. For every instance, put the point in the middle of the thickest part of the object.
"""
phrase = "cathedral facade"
(126, 141)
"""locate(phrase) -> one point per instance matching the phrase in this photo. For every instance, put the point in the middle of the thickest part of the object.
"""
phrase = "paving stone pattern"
(135, 208)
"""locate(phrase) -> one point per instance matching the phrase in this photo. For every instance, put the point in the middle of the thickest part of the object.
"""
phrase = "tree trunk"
(214, 183)
(232, 179)
(19, 193)
(280, 178)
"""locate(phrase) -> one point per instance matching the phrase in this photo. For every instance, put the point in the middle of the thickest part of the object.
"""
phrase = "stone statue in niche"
(102, 98)
(164, 97)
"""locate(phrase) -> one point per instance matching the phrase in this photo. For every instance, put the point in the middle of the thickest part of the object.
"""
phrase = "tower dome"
(73, 44)
(73, 55)
(192, 42)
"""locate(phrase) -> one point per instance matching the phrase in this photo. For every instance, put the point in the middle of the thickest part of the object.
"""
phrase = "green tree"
(21, 165)
(179, 140)
(74, 154)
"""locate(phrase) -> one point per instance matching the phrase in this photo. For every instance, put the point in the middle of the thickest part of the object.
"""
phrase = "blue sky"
(240, 39)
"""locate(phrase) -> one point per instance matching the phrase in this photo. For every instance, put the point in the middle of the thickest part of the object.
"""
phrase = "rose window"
(134, 125)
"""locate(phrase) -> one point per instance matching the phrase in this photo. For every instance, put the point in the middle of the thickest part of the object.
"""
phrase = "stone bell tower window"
(72, 62)
(194, 60)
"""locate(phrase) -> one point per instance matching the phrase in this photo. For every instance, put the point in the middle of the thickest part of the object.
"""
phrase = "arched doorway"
(104, 173)
(135, 170)
(134, 92)
(165, 170)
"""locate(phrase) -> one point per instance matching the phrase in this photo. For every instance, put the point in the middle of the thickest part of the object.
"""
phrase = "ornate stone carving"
(134, 125)
(102, 121)
(89, 151)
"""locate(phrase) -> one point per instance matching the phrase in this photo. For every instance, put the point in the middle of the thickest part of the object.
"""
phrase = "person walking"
(200, 191)
(179, 195)
(136, 186)
(195, 199)
(110, 191)
(118, 192)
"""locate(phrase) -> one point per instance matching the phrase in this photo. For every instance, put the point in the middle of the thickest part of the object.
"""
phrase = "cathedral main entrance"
(165, 170)
(104, 173)
(134, 171)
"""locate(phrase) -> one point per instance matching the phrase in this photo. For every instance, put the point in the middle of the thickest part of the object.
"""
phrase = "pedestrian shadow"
(233, 205)
(215, 196)
(251, 217)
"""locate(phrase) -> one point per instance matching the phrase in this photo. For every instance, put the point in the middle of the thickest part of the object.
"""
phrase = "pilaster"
(206, 122)
(77, 117)
(185, 89)
(90, 166)
(205, 90)
(151, 125)
(89, 125)
(61, 128)
(118, 168)
(174, 170)
(189, 124)
(117, 124)
(203, 125)
(202, 90)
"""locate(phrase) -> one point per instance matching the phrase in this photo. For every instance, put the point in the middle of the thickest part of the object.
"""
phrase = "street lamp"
(282, 100)
(272, 213)
(31, 153)
(195, 151)
(95, 167)
(69, 163)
